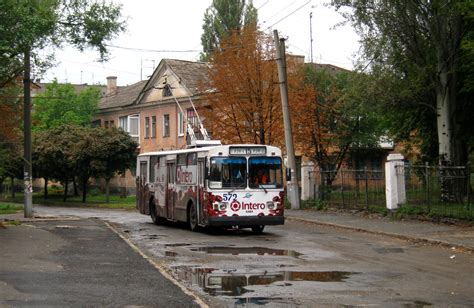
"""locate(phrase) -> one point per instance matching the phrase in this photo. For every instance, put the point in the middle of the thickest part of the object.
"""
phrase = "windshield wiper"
(261, 186)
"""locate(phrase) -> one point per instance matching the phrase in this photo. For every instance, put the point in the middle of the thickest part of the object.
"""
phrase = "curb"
(456, 247)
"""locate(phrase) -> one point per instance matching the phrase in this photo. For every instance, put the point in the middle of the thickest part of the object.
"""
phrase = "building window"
(167, 91)
(134, 127)
(153, 127)
(106, 124)
(166, 125)
(112, 124)
(147, 127)
(130, 124)
(192, 118)
(180, 124)
(123, 123)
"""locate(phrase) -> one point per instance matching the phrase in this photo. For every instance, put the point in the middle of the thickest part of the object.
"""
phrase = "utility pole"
(292, 184)
(28, 201)
(311, 34)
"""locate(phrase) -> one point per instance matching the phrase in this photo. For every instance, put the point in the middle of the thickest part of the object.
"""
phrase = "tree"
(60, 104)
(53, 152)
(245, 106)
(115, 153)
(33, 25)
(331, 117)
(11, 163)
(423, 44)
(221, 19)
(101, 153)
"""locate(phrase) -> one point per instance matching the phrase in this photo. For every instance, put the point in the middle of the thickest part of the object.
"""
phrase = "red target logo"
(235, 205)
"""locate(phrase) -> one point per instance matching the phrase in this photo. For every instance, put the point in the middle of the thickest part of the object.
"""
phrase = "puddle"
(176, 245)
(417, 304)
(260, 300)
(171, 253)
(231, 283)
(389, 250)
(261, 251)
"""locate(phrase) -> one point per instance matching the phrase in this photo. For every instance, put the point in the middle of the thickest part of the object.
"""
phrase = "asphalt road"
(78, 263)
(295, 265)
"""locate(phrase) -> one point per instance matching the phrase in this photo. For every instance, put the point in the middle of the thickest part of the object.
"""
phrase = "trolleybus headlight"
(270, 205)
(222, 206)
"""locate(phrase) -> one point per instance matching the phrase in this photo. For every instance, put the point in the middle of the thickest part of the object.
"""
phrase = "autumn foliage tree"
(331, 117)
(245, 106)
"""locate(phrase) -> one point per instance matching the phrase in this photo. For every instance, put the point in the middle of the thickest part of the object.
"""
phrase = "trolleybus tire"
(258, 229)
(192, 217)
(157, 220)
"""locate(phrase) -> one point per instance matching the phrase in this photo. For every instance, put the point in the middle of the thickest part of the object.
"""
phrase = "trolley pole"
(292, 184)
(28, 201)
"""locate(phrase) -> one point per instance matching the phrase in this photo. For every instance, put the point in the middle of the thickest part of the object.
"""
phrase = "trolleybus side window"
(143, 170)
(228, 172)
(153, 167)
(266, 172)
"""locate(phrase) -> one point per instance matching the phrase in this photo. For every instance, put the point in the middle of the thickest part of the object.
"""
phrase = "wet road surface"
(298, 264)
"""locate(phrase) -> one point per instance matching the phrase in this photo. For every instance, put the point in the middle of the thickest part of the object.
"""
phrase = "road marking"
(160, 268)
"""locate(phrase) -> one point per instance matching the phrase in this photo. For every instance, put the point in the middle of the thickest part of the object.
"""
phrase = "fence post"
(306, 180)
(366, 175)
(342, 188)
(428, 185)
(395, 181)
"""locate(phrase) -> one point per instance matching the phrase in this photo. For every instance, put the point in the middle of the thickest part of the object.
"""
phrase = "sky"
(159, 29)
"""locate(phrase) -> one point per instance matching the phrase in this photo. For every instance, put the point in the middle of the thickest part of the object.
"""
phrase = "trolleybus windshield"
(228, 172)
(265, 172)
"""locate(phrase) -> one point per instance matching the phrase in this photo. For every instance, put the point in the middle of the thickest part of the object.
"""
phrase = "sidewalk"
(459, 237)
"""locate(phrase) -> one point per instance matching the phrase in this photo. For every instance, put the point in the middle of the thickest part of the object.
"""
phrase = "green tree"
(336, 118)
(423, 50)
(53, 154)
(115, 153)
(11, 164)
(36, 24)
(101, 153)
(60, 104)
(223, 17)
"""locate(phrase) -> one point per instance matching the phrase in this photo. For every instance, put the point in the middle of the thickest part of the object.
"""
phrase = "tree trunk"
(107, 190)
(45, 188)
(66, 186)
(76, 193)
(84, 190)
(13, 187)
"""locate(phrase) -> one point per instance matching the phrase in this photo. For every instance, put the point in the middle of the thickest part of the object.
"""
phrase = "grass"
(92, 200)
(9, 208)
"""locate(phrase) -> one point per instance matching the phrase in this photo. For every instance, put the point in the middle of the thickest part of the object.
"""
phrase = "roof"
(331, 69)
(192, 74)
(124, 96)
(40, 87)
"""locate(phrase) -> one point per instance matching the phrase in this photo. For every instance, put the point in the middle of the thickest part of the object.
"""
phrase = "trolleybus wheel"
(157, 220)
(192, 217)
(258, 229)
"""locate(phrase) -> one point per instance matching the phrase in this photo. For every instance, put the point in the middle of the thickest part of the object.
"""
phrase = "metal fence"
(440, 191)
(351, 189)
(436, 191)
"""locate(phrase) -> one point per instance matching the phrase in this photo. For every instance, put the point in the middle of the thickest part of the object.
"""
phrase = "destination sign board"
(247, 150)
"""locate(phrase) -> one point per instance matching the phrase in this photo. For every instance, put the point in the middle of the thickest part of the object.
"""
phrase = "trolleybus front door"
(200, 188)
(170, 189)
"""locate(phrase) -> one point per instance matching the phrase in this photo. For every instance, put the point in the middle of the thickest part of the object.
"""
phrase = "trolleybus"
(239, 186)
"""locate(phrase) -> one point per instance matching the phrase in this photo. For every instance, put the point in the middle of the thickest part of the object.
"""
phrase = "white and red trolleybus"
(223, 186)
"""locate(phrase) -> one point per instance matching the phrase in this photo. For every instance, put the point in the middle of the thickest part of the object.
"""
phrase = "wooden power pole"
(28, 201)
(292, 184)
